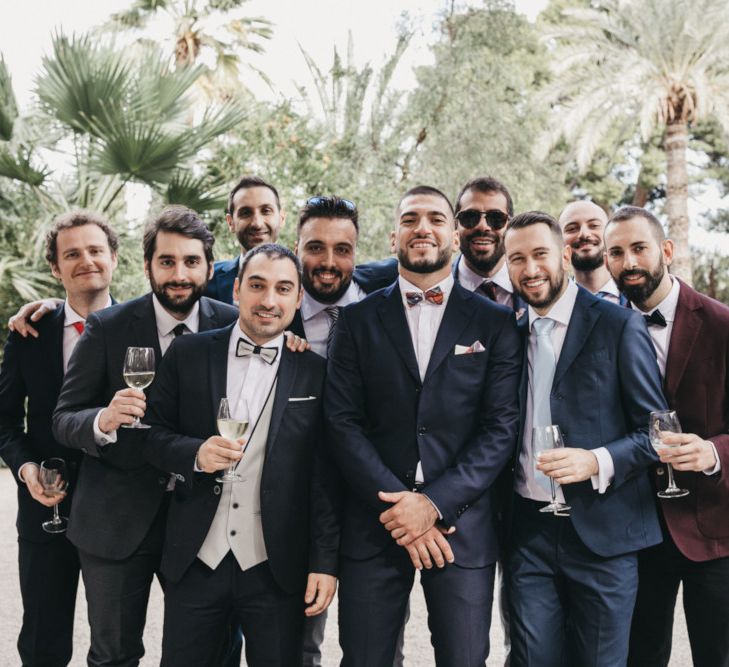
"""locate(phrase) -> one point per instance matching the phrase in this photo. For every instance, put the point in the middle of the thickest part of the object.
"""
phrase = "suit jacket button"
(235, 506)
(84, 450)
(232, 532)
(216, 489)
(417, 390)
(162, 480)
(422, 430)
(659, 471)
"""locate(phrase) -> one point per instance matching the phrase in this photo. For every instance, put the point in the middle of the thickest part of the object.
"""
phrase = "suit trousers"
(705, 602)
(198, 610)
(48, 582)
(569, 606)
(117, 593)
(373, 597)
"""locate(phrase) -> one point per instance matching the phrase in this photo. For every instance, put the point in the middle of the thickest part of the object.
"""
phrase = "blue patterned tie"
(544, 366)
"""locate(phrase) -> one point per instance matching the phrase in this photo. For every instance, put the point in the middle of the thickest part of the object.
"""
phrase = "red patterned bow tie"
(79, 326)
(434, 295)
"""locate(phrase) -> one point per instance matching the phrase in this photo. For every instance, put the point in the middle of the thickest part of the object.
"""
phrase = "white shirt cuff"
(100, 437)
(711, 471)
(20, 470)
(605, 470)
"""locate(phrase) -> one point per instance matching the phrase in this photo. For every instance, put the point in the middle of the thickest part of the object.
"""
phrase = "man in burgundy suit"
(691, 335)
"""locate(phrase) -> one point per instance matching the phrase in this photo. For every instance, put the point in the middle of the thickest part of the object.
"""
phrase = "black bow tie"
(656, 319)
(246, 349)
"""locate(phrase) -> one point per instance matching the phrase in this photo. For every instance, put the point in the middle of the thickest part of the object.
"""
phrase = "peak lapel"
(581, 323)
(686, 327)
(392, 315)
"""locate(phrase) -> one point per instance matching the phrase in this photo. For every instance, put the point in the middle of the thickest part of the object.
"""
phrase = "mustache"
(634, 273)
(583, 242)
(334, 271)
(175, 284)
(271, 311)
(491, 236)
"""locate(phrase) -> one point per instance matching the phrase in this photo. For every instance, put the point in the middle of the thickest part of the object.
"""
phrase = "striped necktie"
(333, 315)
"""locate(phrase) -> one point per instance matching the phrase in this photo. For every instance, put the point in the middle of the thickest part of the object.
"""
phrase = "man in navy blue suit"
(421, 401)
(81, 250)
(592, 371)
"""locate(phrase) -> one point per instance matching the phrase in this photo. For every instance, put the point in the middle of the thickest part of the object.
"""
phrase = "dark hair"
(629, 212)
(486, 184)
(328, 207)
(524, 220)
(178, 220)
(251, 182)
(426, 190)
(77, 218)
(272, 251)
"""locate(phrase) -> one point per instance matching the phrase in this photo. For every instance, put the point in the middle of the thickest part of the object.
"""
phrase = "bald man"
(583, 224)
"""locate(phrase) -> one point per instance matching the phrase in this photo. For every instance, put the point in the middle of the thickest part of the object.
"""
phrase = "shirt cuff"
(196, 467)
(440, 516)
(717, 465)
(20, 470)
(100, 437)
(605, 470)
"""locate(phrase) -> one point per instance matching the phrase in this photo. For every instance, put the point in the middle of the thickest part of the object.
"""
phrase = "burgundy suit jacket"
(697, 388)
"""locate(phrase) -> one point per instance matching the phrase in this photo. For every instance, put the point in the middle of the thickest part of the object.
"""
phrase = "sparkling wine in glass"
(232, 428)
(665, 421)
(545, 438)
(54, 480)
(138, 374)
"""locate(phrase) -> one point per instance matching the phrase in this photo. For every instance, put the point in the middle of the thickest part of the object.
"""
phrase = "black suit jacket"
(33, 368)
(460, 421)
(295, 483)
(118, 494)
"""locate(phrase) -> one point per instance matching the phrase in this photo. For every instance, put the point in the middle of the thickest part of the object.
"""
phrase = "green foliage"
(8, 105)
(711, 274)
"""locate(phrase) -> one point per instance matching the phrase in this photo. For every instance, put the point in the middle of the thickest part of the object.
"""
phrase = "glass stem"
(671, 483)
(554, 491)
(56, 518)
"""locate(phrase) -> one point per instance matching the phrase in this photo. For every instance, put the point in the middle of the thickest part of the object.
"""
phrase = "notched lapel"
(584, 317)
(455, 319)
(392, 315)
(686, 327)
(144, 328)
(284, 383)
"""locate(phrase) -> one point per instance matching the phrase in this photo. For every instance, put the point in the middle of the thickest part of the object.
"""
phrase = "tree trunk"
(676, 143)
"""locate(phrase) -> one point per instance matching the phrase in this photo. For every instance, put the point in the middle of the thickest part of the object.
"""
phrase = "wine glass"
(54, 480)
(660, 422)
(545, 438)
(232, 428)
(138, 374)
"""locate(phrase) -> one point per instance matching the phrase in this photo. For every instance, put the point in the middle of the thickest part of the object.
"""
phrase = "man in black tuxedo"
(81, 250)
(419, 475)
(118, 515)
(246, 546)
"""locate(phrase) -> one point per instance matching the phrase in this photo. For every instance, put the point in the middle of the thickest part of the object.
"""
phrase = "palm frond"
(8, 105)
(19, 168)
(194, 192)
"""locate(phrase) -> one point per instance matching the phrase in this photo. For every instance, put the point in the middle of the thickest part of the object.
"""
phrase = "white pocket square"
(302, 398)
(469, 349)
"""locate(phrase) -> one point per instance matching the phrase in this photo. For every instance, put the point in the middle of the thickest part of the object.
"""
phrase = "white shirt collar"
(670, 302)
(166, 323)
(310, 307)
(472, 280)
(561, 310)
(610, 287)
(70, 316)
(446, 286)
(237, 333)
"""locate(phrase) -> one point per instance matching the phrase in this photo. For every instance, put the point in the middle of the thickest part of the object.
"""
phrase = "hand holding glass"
(544, 439)
(53, 477)
(661, 422)
(138, 374)
(232, 428)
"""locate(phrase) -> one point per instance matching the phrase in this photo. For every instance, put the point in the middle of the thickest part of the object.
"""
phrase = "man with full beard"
(118, 515)
(573, 574)
(583, 225)
(690, 333)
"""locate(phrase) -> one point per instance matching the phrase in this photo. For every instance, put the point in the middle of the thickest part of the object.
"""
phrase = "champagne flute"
(660, 422)
(54, 480)
(232, 428)
(138, 374)
(545, 438)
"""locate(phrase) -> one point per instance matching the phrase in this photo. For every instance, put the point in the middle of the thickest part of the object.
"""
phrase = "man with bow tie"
(263, 549)
(690, 333)
(421, 402)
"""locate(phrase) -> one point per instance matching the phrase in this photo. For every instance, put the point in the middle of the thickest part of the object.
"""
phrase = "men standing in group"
(690, 333)
(246, 550)
(81, 249)
(118, 516)
(399, 358)
(583, 227)
(591, 371)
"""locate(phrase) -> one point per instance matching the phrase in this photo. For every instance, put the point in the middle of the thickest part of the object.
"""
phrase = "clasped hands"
(412, 523)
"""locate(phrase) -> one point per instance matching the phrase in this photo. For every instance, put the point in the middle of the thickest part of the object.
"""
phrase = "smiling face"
(583, 225)
(85, 262)
(255, 217)
(537, 265)
(482, 246)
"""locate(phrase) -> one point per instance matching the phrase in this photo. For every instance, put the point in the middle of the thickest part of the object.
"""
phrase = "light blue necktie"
(544, 365)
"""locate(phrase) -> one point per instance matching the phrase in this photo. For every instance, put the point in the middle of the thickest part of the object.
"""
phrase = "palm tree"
(647, 64)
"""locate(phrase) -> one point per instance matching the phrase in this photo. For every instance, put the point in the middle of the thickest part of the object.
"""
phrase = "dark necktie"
(656, 319)
(333, 315)
(488, 289)
(179, 330)
(434, 295)
(246, 349)
(79, 326)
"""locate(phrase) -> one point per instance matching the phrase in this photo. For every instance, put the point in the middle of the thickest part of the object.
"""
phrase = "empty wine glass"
(138, 374)
(54, 480)
(665, 421)
(544, 439)
(232, 427)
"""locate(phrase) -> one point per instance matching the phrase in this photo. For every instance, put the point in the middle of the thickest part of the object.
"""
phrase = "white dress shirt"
(316, 320)
(526, 483)
(502, 284)
(611, 291)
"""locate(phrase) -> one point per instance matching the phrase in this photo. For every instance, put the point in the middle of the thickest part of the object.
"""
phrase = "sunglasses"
(470, 218)
(321, 200)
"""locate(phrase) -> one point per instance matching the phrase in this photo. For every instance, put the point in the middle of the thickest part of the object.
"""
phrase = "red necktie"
(79, 326)
(488, 289)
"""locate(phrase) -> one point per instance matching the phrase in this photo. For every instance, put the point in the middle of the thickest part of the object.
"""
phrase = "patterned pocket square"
(470, 349)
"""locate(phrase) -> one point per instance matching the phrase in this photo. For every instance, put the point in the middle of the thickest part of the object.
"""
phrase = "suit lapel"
(392, 315)
(284, 384)
(581, 323)
(144, 327)
(455, 319)
(55, 345)
(297, 325)
(686, 327)
(218, 374)
(208, 317)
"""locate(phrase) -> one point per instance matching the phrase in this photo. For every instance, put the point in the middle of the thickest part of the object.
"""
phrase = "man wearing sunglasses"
(483, 209)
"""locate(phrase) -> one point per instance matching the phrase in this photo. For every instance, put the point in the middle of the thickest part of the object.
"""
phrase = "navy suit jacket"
(460, 421)
(298, 505)
(605, 386)
(220, 286)
(118, 494)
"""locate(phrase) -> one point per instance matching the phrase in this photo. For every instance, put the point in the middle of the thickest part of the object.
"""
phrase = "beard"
(479, 261)
(587, 262)
(181, 305)
(247, 236)
(326, 293)
(641, 293)
(556, 283)
(424, 265)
